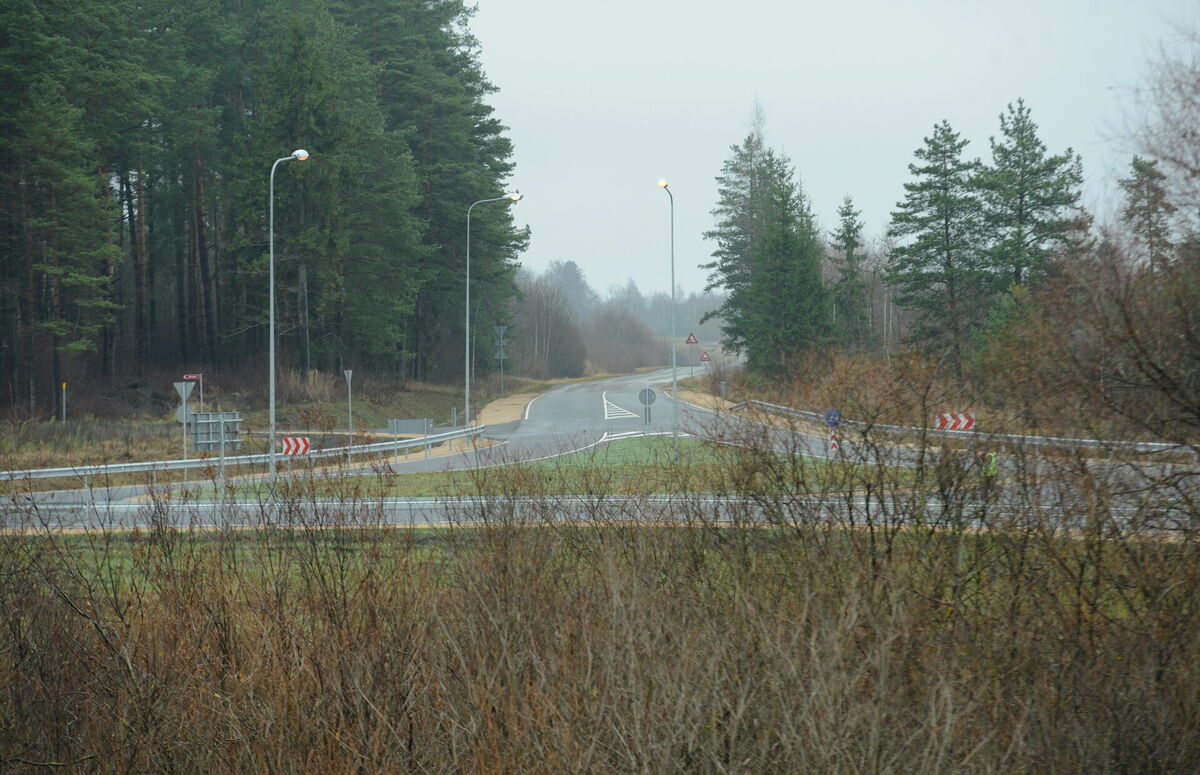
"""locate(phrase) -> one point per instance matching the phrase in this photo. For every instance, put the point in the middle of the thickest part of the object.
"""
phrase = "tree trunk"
(181, 297)
(302, 308)
(208, 334)
(55, 289)
(26, 335)
(141, 304)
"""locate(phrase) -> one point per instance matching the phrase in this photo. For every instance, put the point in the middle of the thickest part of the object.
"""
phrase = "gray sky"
(603, 98)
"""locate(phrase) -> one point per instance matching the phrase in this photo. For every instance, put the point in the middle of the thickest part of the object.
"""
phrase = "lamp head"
(299, 154)
(663, 183)
(515, 196)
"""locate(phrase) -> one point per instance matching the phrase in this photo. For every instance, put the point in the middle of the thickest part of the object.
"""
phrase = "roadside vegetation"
(1041, 623)
(139, 424)
(636, 466)
(907, 605)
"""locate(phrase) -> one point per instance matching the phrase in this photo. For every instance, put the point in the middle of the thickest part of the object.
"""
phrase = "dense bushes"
(925, 619)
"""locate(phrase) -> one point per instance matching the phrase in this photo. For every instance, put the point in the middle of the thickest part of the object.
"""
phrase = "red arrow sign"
(691, 339)
(704, 356)
(192, 376)
(295, 445)
(956, 421)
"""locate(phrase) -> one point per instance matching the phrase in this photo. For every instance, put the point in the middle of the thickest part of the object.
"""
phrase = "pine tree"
(72, 83)
(939, 264)
(1030, 200)
(433, 91)
(1147, 210)
(162, 119)
(66, 225)
(850, 293)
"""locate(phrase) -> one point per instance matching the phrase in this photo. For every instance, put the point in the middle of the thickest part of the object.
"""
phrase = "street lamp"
(513, 197)
(674, 369)
(300, 155)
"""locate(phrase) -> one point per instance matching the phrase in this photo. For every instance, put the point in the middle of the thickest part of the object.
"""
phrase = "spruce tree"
(768, 259)
(850, 292)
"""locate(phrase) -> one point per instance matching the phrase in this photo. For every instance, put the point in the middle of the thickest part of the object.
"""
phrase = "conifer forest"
(136, 150)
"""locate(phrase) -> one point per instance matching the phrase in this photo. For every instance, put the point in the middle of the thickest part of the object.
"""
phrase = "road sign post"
(647, 397)
(64, 401)
(501, 354)
(833, 418)
(184, 389)
(691, 340)
(198, 377)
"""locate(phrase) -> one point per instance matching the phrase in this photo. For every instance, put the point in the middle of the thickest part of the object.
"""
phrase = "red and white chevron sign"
(296, 445)
(960, 421)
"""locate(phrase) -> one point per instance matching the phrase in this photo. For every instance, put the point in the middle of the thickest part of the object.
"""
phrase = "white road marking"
(612, 411)
(633, 434)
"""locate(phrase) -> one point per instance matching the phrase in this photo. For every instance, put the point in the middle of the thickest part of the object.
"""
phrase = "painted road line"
(612, 411)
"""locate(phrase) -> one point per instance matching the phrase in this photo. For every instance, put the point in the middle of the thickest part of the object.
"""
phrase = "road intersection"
(568, 418)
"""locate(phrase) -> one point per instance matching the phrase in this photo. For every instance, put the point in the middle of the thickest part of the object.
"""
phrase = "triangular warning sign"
(704, 357)
(691, 339)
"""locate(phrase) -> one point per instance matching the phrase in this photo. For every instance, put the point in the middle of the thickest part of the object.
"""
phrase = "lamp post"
(674, 368)
(513, 197)
(299, 154)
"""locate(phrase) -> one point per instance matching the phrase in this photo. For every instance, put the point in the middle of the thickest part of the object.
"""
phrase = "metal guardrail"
(205, 462)
(1013, 438)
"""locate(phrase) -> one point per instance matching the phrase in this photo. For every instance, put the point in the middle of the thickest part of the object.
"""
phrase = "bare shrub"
(314, 386)
(886, 609)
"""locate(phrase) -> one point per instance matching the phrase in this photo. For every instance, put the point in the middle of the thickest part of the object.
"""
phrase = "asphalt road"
(565, 419)
(568, 418)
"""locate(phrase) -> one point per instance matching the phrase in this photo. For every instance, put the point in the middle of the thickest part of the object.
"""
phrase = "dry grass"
(1026, 628)
(912, 391)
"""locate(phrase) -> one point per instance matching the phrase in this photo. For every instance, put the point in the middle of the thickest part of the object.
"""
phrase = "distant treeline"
(562, 327)
(136, 144)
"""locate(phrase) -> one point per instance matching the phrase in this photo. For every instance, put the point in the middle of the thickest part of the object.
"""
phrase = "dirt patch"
(506, 409)
(707, 400)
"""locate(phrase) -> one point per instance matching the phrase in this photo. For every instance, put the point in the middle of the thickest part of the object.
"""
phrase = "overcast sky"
(603, 98)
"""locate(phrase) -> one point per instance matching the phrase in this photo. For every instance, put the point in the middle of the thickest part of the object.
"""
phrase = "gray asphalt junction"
(569, 418)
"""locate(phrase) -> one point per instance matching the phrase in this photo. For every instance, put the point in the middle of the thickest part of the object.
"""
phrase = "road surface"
(565, 419)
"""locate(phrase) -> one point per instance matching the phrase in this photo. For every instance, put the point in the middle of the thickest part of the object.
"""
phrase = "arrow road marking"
(612, 411)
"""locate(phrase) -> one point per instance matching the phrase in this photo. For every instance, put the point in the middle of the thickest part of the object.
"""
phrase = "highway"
(569, 418)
